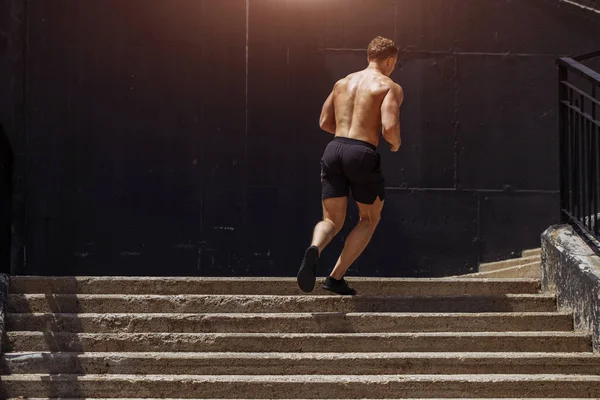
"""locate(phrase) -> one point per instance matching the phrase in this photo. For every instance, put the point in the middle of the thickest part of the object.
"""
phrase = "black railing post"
(595, 166)
(563, 141)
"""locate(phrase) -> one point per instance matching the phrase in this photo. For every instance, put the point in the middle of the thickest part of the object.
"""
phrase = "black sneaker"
(339, 287)
(308, 269)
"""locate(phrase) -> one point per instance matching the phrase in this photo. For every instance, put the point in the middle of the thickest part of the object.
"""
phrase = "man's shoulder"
(386, 82)
(347, 78)
(394, 87)
(389, 82)
(341, 82)
(387, 85)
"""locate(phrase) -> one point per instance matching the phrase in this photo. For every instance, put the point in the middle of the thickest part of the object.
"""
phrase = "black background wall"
(6, 173)
(180, 137)
(12, 133)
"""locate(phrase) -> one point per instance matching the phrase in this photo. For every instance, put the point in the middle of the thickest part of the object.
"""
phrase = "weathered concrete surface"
(263, 286)
(532, 252)
(300, 363)
(572, 270)
(4, 284)
(328, 386)
(27, 303)
(301, 342)
(508, 263)
(297, 323)
(293, 345)
(531, 270)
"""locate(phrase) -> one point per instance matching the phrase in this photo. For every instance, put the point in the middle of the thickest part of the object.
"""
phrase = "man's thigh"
(334, 209)
(372, 212)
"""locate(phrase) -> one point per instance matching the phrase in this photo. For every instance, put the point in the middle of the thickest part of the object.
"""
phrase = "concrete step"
(296, 386)
(263, 286)
(487, 267)
(525, 268)
(531, 270)
(300, 342)
(69, 303)
(299, 323)
(532, 252)
(300, 363)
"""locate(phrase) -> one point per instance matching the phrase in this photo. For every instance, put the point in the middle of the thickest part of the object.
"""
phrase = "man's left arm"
(327, 120)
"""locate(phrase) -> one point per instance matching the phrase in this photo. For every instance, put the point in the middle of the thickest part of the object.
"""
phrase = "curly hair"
(381, 48)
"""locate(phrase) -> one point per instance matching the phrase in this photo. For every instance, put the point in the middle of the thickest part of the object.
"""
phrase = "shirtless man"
(358, 107)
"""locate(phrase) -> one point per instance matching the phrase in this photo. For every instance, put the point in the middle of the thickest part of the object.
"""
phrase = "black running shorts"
(352, 164)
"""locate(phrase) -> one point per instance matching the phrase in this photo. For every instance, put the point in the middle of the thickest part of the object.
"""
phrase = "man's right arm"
(390, 116)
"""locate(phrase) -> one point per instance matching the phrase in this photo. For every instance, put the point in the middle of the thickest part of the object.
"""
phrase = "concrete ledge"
(305, 386)
(557, 342)
(531, 252)
(515, 262)
(96, 303)
(291, 323)
(531, 270)
(403, 398)
(572, 270)
(263, 286)
(300, 363)
(397, 398)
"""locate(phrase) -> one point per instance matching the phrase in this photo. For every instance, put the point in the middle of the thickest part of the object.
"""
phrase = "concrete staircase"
(529, 265)
(249, 338)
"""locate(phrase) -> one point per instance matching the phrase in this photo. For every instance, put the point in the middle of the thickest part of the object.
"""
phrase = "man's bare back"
(358, 100)
(359, 107)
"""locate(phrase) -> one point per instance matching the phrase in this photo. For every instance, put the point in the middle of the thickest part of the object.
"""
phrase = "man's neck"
(373, 66)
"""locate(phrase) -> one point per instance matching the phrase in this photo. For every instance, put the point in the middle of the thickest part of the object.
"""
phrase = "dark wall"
(13, 137)
(587, 4)
(6, 173)
(180, 137)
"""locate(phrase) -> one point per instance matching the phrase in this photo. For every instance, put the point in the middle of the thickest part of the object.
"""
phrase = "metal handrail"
(579, 137)
(575, 66)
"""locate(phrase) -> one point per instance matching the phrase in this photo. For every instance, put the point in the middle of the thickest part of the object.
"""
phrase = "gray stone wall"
(572, 270)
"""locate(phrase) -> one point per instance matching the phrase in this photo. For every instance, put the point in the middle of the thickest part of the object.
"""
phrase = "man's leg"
(357, 241)
(334, 215)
